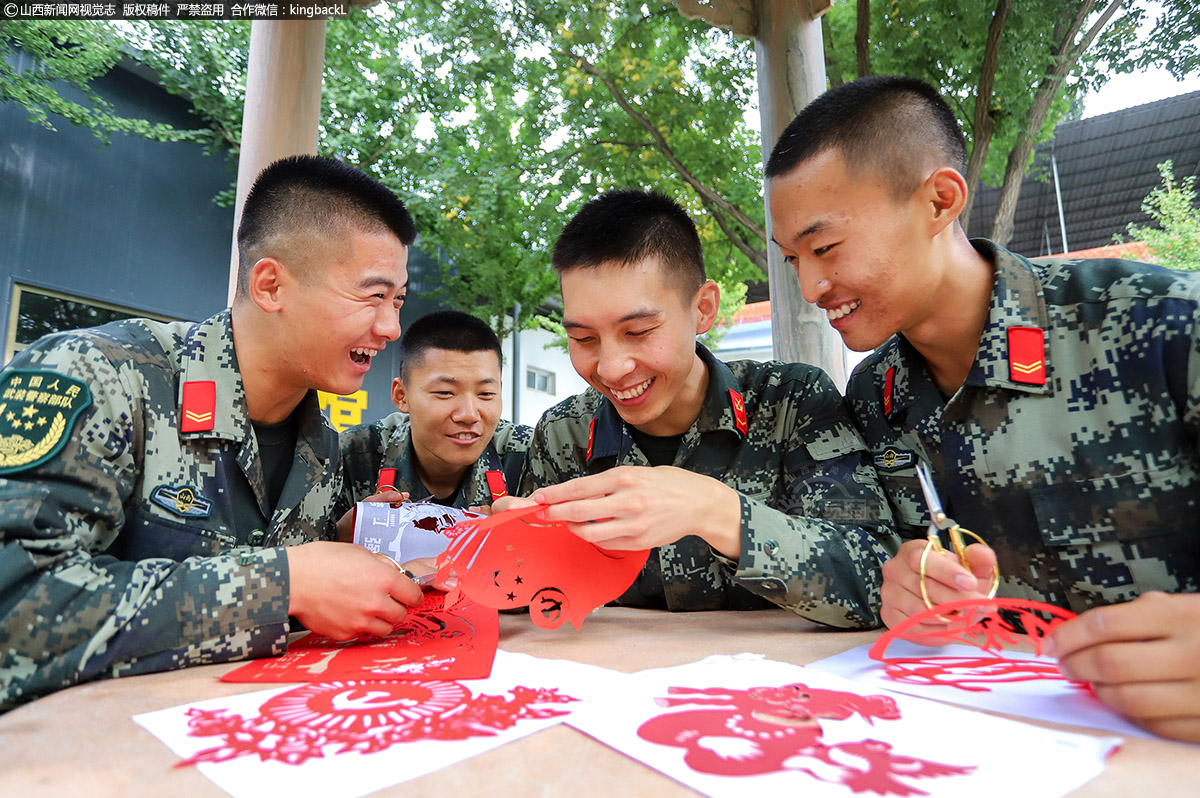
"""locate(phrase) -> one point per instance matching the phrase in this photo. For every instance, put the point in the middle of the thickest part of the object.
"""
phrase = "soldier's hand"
(511, 503)
(945, 579)
(345, 524)
(343, 591)
(1142, 659)
(633, 507)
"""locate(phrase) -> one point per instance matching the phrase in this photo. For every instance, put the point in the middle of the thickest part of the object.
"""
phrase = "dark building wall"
(134, 223)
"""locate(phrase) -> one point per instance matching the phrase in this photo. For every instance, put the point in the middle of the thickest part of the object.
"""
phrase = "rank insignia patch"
(184, 501)
(1027, 355)
(739, 411)
(893, 459)
(199, 406)
(37, 411)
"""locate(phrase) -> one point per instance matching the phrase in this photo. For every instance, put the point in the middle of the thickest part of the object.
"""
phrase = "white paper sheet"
(1041, 699)
(725, 727)
(338, 774)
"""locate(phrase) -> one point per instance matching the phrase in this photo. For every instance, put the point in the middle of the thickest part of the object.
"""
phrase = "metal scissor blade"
(925, 476)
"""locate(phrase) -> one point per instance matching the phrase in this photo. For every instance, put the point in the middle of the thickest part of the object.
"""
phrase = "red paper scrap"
(433, 642)
(992, 625)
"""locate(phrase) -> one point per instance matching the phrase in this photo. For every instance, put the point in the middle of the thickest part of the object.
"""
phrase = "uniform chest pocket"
(1130, 507)
(147, 535)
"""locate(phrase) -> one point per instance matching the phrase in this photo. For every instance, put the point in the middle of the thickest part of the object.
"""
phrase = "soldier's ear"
(399, 395)
(946, 191)
(706, 303)
(267, 277)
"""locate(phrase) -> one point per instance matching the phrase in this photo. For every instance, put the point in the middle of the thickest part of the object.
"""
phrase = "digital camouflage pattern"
(387, 443)
(1086, 486)
(120, 553)
(815, 524)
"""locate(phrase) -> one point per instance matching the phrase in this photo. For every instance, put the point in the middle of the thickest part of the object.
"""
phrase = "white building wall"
(538, 353)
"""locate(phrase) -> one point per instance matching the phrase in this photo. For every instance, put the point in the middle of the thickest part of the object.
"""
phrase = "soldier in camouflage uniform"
(166, 487)
(448, 442)
(759, 490)
(1057, 401)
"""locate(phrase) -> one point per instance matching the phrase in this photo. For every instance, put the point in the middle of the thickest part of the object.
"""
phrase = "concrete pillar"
(283, 102)
(791, 73)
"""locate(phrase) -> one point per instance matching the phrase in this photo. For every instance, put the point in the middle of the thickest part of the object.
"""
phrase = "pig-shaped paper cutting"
(513, 559)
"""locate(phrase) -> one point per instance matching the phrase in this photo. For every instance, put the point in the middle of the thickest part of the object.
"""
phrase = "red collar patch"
(889, 380)
(199, 406)
(1027, 355)
(496, 486)
(739, 411)
(591, 438)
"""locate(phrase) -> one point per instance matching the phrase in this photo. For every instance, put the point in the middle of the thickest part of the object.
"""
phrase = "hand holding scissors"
(939, 521)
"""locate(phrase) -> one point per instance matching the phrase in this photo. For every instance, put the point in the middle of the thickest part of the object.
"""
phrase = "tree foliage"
(1175, 241)
(36, 56)
(498, 120)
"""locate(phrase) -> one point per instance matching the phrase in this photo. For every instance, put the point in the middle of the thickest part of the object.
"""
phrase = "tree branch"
(862, 38)
(756, 256)
(660, 144)
(982, 121)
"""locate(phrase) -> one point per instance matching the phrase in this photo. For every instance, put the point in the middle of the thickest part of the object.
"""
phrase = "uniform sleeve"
(69, 611)
(554, 455)
(513, 453)
(360, 456)
(816, 547)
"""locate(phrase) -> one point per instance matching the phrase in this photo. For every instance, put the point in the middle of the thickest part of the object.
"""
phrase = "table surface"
(83, 741)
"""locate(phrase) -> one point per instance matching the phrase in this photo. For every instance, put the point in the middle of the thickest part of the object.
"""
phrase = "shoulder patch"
(894, 459)
(183, 501)
(38, 409)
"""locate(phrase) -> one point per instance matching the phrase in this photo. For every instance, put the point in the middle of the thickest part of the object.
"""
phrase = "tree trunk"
(862, 38)
(983, 123)
(1065, 57)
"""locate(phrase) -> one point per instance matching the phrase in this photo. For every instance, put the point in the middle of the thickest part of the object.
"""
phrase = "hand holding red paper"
(634, 507)
(1142, 659)
(512, 559)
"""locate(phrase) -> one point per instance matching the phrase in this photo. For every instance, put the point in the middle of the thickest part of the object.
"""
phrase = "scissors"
(939, 521)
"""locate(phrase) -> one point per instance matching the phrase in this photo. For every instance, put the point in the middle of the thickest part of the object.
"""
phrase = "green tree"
(1175, 241)
(498, 120)
(74, 53)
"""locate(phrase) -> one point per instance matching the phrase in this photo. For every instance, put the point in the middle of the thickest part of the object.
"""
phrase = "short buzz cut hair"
(452, 330)
(627, 226)
(300, 202)
(895, 126)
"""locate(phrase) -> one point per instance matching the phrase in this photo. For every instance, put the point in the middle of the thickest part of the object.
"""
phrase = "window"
(40, 311)
(539, 380)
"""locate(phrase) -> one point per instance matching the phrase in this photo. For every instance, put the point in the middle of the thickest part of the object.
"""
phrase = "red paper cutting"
(511, 560)
(979, 623)
(296, 725)
(769, 729)
(433, 642)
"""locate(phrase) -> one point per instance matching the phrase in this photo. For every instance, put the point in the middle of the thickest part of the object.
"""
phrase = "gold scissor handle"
(956, 541)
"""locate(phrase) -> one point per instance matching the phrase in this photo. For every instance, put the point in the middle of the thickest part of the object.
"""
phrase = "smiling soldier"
(746, 479)
(447, 442)
(165, 501)
(1057, 401)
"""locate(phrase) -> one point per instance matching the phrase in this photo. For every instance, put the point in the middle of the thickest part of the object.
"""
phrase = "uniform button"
(256, 537)
(771, 547)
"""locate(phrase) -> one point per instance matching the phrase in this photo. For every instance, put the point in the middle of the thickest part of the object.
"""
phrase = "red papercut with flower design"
(297, 725)
(511, 560)
(435, 641)
(992, 625)
(771, 729)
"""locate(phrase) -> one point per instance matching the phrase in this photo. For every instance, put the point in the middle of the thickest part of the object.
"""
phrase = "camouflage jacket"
(815, 524)
(119, 548)
(387, 443)
(1077, 459)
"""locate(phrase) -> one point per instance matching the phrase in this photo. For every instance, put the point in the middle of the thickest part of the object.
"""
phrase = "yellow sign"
(343, 411)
